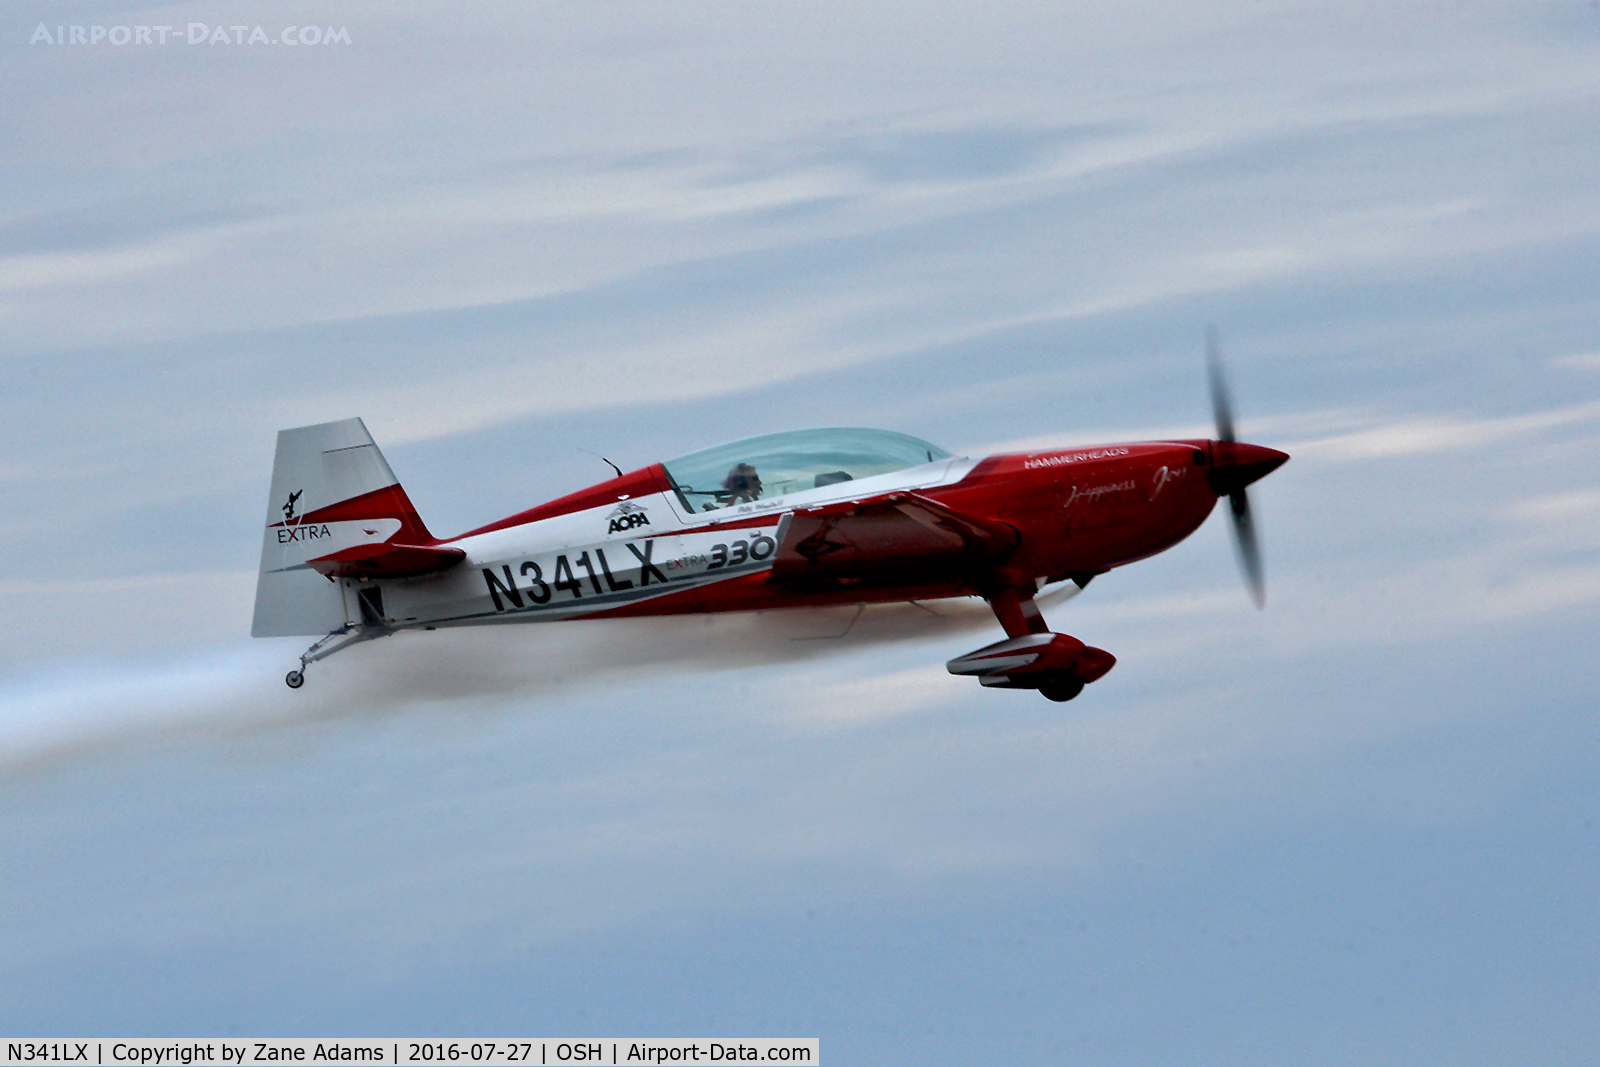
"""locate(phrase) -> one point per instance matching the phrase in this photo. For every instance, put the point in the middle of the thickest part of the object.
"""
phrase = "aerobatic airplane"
(805, 518)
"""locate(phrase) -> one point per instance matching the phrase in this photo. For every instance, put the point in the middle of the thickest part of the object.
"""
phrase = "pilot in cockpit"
(741, 485)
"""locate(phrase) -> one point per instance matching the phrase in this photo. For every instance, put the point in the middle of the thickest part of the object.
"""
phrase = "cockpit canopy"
(780, 464)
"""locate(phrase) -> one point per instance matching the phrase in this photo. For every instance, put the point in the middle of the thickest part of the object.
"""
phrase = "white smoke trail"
(236, 687)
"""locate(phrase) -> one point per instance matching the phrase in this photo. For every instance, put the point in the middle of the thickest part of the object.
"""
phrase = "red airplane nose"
(1235, 465)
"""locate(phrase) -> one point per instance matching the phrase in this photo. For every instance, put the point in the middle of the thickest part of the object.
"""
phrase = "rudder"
(332, 494)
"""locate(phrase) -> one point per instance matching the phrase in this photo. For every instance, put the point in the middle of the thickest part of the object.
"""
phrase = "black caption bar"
(390, 1052)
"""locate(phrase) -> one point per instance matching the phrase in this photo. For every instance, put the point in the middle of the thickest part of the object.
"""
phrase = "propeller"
(1234, 466)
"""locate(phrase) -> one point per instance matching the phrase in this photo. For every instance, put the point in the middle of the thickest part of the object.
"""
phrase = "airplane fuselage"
(629, 546)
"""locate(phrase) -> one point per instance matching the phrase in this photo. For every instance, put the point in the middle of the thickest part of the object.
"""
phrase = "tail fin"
(336, 510)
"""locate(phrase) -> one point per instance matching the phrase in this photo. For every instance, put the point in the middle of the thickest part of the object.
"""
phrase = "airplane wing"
(891, 534)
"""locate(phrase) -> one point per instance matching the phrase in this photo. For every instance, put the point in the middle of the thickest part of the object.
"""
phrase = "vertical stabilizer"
(332, 493)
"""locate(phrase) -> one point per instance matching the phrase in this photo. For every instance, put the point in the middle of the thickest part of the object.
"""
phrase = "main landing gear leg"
(1031, 657)
(1019, 616)
(337, 641)
(1013, 605)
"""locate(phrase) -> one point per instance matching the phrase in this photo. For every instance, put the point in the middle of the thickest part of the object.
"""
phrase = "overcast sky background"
(1357, 827)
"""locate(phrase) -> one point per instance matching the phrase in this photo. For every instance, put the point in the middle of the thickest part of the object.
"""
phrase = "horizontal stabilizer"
(386, 560)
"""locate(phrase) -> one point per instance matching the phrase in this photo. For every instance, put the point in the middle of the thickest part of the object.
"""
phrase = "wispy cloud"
(90, 268)
(1440, 433)
(1585, 361)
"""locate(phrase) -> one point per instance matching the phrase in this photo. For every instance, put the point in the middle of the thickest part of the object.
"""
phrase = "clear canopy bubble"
(781, 464)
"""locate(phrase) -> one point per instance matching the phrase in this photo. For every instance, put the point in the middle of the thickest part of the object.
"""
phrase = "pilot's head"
(743, 479)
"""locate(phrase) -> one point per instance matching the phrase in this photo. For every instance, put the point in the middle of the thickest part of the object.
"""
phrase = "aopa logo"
(626, 517)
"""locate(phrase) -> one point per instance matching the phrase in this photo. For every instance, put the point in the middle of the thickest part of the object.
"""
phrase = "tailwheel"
(294, 679)
(1062, 687)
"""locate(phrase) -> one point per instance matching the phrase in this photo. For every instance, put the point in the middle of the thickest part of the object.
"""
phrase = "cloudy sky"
(1357, 827)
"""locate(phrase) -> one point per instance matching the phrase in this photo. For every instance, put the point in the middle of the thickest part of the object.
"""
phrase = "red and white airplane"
(800, 519)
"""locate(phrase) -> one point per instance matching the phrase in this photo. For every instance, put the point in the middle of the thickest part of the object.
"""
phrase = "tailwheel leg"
(337, 641)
